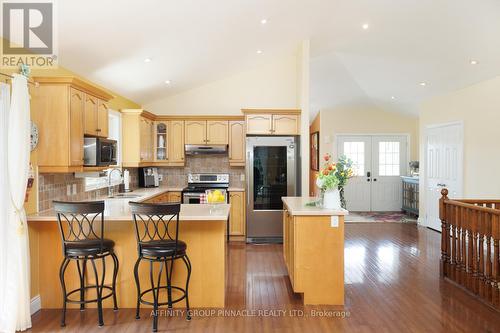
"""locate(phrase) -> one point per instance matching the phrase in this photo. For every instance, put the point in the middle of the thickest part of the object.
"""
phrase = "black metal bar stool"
(83, 240)
(155, 243)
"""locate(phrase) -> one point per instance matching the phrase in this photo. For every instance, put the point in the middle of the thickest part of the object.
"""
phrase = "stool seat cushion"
(89, 247)
(163, 248)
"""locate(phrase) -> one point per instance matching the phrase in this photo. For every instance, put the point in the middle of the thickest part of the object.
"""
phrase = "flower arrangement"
(334, 176)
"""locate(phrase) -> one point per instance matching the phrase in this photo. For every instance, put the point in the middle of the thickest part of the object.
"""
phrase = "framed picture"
(314, 151)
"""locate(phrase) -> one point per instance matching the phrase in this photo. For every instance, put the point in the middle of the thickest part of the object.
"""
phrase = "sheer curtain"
(14, 245)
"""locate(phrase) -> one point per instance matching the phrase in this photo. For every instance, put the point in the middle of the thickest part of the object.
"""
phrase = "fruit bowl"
(216, 196)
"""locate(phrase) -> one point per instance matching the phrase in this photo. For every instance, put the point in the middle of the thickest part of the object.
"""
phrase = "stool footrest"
(162, 303)
(91, 300)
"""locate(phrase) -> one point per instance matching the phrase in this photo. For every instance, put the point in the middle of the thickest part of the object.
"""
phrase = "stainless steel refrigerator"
(273, 171)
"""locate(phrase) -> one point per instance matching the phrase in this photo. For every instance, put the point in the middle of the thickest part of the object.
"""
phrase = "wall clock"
(33, 136)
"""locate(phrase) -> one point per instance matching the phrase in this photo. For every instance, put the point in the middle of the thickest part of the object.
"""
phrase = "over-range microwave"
(99, 152)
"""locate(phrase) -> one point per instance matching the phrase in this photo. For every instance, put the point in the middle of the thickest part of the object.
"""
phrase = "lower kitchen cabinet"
(237, 216)
(172, 197)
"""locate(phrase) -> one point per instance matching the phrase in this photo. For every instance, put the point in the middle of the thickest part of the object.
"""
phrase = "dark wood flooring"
(392, 285)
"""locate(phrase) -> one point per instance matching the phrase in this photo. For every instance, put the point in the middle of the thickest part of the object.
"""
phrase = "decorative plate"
(34, 136)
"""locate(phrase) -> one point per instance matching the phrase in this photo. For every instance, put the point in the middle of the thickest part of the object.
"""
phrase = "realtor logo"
(28, 33)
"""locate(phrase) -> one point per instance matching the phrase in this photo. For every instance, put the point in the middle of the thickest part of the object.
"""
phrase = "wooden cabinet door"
(176, 142)
(237, 223)
(259, 124)
(77, 98)
(195, 132)
(145, 140)
(286, 124)
(237, 143)
(102, 119)
(90, 124)
(217, 132)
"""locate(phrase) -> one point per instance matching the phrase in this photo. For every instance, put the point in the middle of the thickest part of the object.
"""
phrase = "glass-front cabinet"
(161, 152)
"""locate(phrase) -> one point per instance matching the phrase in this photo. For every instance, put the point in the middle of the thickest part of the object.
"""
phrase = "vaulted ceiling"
(192, 42)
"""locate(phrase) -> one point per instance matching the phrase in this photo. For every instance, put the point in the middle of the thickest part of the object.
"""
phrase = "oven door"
(191, 198)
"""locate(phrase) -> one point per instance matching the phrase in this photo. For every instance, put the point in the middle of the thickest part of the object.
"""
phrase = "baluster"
(453, 228)
(487, 259)
(481, 282)
(459, 244)
(496, 260)
(474, 251)
(449, 252)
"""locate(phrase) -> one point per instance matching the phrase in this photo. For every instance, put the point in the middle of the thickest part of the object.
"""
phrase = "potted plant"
(331, 180)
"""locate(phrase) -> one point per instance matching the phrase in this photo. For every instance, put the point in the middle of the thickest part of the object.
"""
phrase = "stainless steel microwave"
(99, 152)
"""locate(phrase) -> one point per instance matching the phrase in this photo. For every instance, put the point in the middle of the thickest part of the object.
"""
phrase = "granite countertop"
(119, 210)
(296, 206)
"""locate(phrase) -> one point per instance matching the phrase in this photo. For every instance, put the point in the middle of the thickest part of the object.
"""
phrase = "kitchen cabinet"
(195, 132)
(137, 138)
(95, 117)
(272, 122)
(174, 197)
(201, 132)
(161, 138)
(171, 197)
(237, 143)
(237, 216)
(176, 143)
(58, 107)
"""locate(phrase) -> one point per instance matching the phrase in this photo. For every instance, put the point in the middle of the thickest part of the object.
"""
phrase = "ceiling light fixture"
(365, 26)
(423, 84)
(263, 21)
(167, 82)
(392, 97)
(147, 60)
(473, 62)
(259, 51)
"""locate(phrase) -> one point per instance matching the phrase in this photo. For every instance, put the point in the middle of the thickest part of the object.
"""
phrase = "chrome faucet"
(110, 188)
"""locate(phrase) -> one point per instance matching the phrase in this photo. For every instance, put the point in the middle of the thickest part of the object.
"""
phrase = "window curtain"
(14, 171)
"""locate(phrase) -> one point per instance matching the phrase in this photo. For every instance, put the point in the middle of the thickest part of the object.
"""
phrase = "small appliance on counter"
(148, 177)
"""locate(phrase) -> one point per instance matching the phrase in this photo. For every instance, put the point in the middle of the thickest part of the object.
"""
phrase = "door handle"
(374, 179)
(368, 174)
(367, 179)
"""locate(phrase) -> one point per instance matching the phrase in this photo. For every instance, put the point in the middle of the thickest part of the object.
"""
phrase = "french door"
(379, 162)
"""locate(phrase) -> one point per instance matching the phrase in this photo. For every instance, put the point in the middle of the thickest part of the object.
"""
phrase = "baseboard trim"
(35, 304)
(421, 221)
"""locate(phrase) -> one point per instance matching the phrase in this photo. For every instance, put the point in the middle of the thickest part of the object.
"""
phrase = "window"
(388, 159)
(356, 152)
(95, 183)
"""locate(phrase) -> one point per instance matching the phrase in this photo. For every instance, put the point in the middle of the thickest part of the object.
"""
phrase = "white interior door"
(389, 164)
(379, 163)
(358, 189)
(444, 160)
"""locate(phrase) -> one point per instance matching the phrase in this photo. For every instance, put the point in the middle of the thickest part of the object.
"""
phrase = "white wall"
(478, 106)
(272, 85)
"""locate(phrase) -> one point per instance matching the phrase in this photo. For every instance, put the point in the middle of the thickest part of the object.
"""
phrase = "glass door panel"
(270, 177)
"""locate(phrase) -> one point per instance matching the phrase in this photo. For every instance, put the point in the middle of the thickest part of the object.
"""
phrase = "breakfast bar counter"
(313, 248)
(202, 227)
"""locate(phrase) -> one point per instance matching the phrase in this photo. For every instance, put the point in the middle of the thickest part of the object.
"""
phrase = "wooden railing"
(469, 245)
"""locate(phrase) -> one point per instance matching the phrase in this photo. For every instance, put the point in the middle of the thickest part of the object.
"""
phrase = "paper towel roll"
(126, 180)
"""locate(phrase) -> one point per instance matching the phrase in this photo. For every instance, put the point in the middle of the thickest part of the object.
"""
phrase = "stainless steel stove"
(198, 183)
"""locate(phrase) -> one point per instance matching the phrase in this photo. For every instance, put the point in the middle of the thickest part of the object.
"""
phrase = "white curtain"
(15, 276)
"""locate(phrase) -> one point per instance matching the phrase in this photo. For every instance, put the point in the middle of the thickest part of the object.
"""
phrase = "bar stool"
(83, 240)
(155, 243)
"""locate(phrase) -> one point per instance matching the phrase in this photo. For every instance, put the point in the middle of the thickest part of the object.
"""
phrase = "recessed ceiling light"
(423, 84)
(259, 51)
(167, 82)
(365, 26)
(473, 62)
(263, 21)
(147, 60)
(392, 97)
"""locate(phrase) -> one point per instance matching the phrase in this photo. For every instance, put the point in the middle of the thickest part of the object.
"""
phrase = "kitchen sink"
(124, 196)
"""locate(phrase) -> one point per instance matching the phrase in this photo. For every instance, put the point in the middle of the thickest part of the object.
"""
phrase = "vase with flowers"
(332, 178)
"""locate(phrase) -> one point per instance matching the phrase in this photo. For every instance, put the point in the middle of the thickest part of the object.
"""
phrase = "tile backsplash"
(54, 186)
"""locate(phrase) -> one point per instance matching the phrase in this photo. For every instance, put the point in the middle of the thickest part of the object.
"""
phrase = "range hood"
(205, 149)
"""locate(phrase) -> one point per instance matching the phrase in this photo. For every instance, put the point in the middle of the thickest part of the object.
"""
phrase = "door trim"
(423, 178)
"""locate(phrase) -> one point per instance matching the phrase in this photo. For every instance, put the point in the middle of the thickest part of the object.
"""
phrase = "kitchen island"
(202, 227)
(313, 249)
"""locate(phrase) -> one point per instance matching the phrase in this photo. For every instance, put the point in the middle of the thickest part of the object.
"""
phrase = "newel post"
(445, 235)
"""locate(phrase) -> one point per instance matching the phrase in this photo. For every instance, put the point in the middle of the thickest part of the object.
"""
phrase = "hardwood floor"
(392, 285)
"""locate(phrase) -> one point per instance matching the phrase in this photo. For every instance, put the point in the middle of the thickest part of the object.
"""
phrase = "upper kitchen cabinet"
(272, 122)
(206, 132)
(138, 128)
(176, 143)
(102, 119)
(96, 117)
(58, 108)
(161, 135)
(237, 143)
